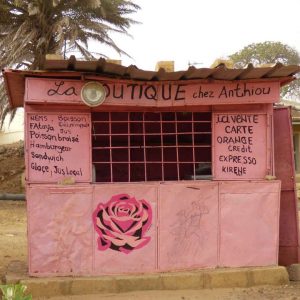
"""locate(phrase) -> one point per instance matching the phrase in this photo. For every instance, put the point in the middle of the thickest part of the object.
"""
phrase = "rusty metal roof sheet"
(220, 72)
(73, 68)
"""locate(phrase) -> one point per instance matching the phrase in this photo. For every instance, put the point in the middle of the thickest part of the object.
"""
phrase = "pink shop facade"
(159, 175)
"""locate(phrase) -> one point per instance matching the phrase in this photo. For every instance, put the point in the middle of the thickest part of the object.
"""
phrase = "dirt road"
(13, 241)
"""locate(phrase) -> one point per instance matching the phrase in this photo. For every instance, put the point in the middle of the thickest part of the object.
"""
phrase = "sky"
(200, 31)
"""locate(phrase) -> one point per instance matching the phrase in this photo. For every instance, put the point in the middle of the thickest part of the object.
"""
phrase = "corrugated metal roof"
(72, 68)
(220, 72)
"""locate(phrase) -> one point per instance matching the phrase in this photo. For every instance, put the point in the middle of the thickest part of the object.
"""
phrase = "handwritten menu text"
(58, 146)
(240, 145)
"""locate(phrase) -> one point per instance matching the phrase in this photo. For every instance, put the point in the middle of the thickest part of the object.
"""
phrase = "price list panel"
(58, 147)
(240, 146)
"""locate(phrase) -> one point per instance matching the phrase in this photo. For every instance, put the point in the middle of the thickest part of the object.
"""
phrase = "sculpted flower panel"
(122, 223)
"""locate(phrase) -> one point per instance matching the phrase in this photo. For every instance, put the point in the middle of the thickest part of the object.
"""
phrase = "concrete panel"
(123, 241)
(60, 230)
(288, 225)
(79, 288)
(249, 227)
(242, 187)
(284, 170)
(142, 228)
(188, 225)
(283, 148)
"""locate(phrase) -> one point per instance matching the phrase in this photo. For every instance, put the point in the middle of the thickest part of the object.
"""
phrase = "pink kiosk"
(132, 171)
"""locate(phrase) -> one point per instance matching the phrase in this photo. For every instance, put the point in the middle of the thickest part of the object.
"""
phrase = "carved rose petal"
(103, 244)
(139, 223)
(131, 241)
(122, 223)
(108, 232)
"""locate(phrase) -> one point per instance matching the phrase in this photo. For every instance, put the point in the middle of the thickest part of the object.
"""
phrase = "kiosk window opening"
(151, 146)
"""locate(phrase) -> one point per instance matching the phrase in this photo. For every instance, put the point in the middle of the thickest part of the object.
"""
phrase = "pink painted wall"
(240, 143)
(188, 231)
(142, 259)
(161, 94)
(249, 223)
(60, 235)
(289, 249)
(55, 144)
(123, 228)
(186, 225)
(58, 146)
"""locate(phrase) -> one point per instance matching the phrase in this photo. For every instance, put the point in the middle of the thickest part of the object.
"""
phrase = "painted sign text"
(155, 93)
(54, 143)
(240, 141)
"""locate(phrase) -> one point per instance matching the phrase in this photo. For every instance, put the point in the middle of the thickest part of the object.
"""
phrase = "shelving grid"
(151, 146)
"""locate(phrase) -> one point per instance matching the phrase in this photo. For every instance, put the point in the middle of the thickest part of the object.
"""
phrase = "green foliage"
(30, 29)
(14, 292)
(265, 53)
(260, 54)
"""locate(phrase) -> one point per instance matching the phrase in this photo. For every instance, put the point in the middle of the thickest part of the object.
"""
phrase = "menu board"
(240, 146)
(58, 147)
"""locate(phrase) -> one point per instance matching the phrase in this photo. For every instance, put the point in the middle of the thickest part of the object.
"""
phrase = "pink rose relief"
(122, 223)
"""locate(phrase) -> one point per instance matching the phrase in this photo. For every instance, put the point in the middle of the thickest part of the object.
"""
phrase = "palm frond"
(30, 29)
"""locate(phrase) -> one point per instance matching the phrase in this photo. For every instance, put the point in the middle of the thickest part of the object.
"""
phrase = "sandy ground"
(291, 292)
(13, 239)
(11, 168)
(13, 258)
